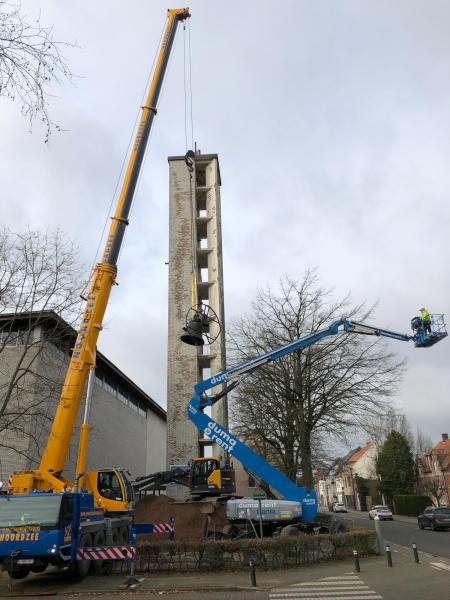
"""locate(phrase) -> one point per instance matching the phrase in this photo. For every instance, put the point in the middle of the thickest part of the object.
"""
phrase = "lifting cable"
(190, 157)
(188, 95)
(190, 85)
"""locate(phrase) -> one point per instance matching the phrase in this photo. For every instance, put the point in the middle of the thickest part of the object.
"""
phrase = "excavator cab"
(424, 338)
(208, 478)
(111, 488)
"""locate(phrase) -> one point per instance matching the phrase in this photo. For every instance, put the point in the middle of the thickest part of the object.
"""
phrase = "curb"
(139, 591)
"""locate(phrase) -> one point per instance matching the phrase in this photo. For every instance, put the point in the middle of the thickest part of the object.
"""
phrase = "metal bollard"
(251, 564)
(416, 554)
(356, 559)
(379, 534)
(389, 556)
(172, 530)
(14, 557)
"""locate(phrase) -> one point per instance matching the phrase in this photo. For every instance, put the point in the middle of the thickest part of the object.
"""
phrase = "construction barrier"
(107, 553)
(157, 528)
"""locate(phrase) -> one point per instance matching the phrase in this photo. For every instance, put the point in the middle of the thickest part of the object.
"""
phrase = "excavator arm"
(231, 377)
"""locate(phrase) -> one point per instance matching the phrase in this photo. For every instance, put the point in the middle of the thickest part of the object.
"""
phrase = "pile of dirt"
(190, 517)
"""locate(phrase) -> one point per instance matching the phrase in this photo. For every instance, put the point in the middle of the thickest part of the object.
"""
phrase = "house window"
(251, 481)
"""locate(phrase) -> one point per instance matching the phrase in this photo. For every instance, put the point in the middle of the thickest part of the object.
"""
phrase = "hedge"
(410, 504)
(268, 553)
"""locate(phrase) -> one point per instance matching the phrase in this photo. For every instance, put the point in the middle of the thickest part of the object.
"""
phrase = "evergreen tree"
(396, 466)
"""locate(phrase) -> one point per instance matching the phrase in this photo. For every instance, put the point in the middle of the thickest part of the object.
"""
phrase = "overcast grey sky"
(332, 124)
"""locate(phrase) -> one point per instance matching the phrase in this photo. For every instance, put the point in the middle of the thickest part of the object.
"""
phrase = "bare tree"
(321, 391)
(422, 444)
(30, 61)
(39, 281)
(435, 488)
(379, 426)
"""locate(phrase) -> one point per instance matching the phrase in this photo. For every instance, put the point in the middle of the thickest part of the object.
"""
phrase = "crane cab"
(208, 478)
(111, 488)
(425, 339)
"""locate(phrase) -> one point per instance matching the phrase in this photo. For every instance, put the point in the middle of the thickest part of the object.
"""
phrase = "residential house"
(330, 483)
(359, 477)
(434, 472)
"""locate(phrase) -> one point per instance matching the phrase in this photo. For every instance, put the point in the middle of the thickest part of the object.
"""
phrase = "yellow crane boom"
(49, 474)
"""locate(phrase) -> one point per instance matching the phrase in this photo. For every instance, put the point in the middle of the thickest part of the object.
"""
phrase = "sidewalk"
(405, 580)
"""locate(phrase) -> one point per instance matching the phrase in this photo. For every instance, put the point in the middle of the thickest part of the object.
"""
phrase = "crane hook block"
(189, 159)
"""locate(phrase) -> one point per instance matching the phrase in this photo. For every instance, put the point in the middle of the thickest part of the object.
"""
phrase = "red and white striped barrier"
(107, 553)
(163, 527)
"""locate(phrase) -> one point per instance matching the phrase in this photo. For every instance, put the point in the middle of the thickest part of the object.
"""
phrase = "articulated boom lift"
(232, 376)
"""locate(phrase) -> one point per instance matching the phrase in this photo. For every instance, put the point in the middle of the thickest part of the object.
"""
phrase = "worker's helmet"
(422, 308)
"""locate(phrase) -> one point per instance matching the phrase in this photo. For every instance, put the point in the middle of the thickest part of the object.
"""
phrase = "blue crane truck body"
(39, 529)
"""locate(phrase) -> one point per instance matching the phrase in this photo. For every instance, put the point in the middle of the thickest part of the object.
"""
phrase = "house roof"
(443, 446)
(443, 450)
(339, 463)
(360, 453)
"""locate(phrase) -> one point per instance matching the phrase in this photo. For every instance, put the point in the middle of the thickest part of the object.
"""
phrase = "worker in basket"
(426, 319)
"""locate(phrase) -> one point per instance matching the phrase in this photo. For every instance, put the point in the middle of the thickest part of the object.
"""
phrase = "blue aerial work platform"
(233, 375)
(425, 339)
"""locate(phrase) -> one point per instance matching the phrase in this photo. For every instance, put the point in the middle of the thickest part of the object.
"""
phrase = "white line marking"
(340, 577)
(328, 586)
(341, 582)
(441, 565)
(313, 588)
(343, 597)
(305, 594)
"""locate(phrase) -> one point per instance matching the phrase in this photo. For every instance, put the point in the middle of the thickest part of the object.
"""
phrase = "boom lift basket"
(424, 339)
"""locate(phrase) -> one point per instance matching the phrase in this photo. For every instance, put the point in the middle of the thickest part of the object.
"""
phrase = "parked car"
(339, 507)
(383, 512)
(434, 517)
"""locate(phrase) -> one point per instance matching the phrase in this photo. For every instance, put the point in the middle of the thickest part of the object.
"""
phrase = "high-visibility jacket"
(425, 315)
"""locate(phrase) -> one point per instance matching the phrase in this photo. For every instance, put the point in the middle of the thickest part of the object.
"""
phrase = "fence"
(269, 553)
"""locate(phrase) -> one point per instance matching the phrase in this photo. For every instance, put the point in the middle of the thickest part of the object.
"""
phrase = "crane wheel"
(81, 567)
(116, 537)
(124, 536)
(99, 540)
(18, 572)
(38, 568)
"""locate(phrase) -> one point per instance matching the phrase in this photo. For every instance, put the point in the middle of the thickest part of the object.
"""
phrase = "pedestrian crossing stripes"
(345, 587)
(440, 566)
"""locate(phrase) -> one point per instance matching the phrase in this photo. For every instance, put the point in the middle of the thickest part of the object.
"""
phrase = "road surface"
(399, 532)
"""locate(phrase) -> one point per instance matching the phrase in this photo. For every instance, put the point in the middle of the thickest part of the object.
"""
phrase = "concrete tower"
(195, 243)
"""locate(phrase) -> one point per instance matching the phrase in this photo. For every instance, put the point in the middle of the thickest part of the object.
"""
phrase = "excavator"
(204, 477)
(48, 519)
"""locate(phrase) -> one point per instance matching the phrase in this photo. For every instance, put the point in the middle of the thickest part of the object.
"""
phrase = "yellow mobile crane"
(49, 476)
